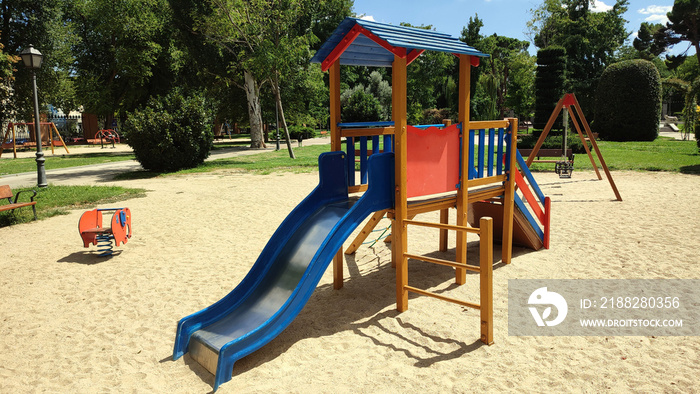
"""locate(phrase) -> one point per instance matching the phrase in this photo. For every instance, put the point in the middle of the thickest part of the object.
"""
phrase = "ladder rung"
(442, 297)
(443, 226)
(442, 262)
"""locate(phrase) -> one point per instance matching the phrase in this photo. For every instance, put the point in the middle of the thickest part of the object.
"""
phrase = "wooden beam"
(462, 193)
(365, 232)
(366, 132)
(509, 196)
(486, 279)
(399, 240)
(488, 124)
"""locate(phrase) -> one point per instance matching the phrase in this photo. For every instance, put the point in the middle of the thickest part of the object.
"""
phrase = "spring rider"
(92, 231)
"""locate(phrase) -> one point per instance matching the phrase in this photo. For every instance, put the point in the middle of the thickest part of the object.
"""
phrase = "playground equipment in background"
(107, 135)
(14, 143)
(92, 231)
(437, 168)
(568, 101)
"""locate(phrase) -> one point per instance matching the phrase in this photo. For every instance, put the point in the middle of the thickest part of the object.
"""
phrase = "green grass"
(58, 200)
(260, 163)
(663, 154)
(16, 166)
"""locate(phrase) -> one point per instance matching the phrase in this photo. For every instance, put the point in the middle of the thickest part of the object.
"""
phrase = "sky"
(503, 17)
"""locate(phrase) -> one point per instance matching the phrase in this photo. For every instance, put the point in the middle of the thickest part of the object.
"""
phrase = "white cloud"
(657, 13)
(656, 9)
(599, 6)
(657, 18)
(368, 18)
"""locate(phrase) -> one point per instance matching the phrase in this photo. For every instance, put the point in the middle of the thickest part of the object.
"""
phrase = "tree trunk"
(278, 101)
(252, 93)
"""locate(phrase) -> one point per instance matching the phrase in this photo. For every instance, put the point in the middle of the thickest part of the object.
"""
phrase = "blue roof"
(367, 52)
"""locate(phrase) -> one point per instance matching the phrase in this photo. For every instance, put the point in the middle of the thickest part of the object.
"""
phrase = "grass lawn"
(663, 154)
(17, 166)
(58, 200)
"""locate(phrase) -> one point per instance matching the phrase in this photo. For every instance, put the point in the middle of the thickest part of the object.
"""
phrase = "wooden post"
(399, 114)
(334, 82)
(338, 270)
(486, 279)
(463, 192)
(445, 219)
(509, 197)
(336, 145)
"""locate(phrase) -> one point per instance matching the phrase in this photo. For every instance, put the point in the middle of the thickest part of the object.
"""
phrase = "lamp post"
(32, 60)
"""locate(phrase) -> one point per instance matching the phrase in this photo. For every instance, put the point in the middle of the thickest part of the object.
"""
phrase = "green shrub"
(628, 102)
(171, 133)
(304, 132)
(361, 107)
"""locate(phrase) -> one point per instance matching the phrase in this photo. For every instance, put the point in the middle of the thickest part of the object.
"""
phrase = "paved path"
(100, 173)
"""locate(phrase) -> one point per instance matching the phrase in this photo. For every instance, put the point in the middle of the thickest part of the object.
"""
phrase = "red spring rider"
(92, 231)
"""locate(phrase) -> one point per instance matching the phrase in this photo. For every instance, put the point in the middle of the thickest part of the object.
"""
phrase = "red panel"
(432, 160)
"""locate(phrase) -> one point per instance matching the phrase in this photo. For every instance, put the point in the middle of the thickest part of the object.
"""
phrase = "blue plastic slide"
(290, 266)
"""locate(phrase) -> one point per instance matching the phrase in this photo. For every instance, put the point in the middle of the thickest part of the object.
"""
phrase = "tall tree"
(589, 38)
(270, 40)
(644, 43)
(40, 23)
(683, 25)
(427, 77)
(124, 53)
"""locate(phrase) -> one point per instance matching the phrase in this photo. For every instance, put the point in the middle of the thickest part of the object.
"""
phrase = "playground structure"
(567, 102)
(93, 232)
(404, 171)
(10, 140)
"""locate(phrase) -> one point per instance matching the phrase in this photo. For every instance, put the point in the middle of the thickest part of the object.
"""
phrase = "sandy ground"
(73, 322)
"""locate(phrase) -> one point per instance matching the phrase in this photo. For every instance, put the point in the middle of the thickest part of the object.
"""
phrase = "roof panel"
(365, 49)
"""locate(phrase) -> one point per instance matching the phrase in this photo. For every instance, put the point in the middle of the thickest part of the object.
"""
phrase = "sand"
(73, 322)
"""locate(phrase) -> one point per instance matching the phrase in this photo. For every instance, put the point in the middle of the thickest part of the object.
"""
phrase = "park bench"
(6, 193)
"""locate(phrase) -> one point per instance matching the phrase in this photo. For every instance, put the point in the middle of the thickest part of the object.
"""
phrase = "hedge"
(628, 102)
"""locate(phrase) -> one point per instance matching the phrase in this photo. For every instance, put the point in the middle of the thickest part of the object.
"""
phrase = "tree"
(37, 22)
(7, 62)
(505, 53)
(644, 42)
(270, 41)
(589, 38)
(124, 54)
(549, 82)
(521, 86)
(492, 95)
(427, 77)
(683, 25)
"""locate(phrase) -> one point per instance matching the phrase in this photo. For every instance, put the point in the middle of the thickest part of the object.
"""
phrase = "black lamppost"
(32, 60)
